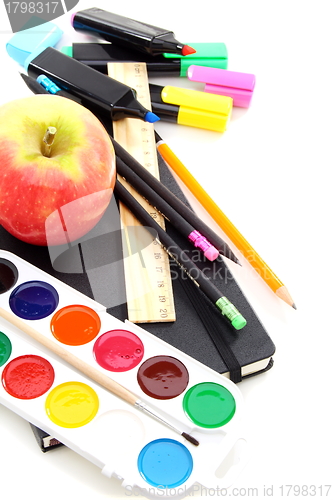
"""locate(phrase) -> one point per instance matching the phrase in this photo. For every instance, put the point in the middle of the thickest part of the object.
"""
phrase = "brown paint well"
(163, 377)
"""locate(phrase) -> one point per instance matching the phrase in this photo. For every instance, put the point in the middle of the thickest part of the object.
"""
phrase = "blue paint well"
(165, 463)
(34, 300)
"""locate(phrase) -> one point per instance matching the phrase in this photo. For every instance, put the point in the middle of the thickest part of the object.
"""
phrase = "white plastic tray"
(114, 438)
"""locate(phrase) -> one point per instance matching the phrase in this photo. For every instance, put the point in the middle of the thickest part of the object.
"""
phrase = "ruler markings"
(147, 272)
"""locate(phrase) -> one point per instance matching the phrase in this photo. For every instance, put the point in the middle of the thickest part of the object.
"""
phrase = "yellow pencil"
(224, 223)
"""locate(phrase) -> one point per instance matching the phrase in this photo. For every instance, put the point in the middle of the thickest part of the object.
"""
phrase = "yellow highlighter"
(191, 107)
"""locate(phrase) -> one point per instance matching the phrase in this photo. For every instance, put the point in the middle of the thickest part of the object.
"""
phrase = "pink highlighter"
(239, 86)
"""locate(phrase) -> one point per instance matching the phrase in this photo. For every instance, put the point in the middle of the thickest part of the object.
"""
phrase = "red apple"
(50, 195)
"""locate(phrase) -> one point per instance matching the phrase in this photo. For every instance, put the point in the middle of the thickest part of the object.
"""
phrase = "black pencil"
(227, 309)
(181, 224)
(174, 202)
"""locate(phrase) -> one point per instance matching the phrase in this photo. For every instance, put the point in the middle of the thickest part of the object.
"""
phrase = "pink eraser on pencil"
(233, 84)
(211, 253)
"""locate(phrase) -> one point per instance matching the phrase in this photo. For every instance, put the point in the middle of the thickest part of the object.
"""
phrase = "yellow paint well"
(72, 404)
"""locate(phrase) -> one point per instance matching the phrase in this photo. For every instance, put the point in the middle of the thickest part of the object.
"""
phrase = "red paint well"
(28, 377)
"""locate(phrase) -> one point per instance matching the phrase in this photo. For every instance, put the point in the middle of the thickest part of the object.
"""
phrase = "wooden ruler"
(147, 271)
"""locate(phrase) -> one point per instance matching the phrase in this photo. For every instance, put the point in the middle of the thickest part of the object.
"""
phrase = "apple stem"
(48, 140)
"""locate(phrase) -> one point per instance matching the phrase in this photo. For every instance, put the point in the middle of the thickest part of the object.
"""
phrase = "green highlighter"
(97, 55)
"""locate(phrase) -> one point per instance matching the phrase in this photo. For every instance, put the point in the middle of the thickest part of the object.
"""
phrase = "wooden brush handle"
(80, 365)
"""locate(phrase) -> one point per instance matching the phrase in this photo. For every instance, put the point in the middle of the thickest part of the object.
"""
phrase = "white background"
(271, 174)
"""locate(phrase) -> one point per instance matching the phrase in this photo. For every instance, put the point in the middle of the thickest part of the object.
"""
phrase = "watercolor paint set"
(132, 445)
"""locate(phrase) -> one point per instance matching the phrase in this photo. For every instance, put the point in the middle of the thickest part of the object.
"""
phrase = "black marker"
(128, 32)
(43, 85)
(98, 55)
(108, 96)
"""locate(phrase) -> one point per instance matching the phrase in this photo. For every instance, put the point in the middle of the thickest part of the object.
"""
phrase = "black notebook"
(199, 330)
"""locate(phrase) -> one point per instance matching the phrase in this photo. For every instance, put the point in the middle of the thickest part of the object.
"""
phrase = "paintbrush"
(91, 372)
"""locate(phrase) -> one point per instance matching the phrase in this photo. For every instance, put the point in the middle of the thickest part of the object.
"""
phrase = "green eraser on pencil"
(231, 312)
(212, 55)
(239, 322)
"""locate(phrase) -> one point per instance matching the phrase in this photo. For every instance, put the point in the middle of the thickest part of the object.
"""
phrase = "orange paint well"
(75, 325)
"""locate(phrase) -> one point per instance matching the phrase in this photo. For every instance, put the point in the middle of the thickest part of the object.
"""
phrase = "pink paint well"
(118, 350)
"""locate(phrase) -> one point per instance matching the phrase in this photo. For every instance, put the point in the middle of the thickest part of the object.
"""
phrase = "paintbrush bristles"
(190, 438)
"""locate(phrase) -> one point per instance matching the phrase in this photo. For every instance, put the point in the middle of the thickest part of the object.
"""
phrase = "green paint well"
(5, 348)
(209, 405)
